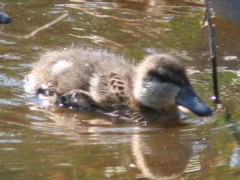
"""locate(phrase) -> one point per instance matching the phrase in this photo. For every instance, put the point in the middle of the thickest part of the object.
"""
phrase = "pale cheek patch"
(156, 95)
(61, 66)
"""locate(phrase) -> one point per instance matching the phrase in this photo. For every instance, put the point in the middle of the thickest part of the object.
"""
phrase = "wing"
(118, 86)
(126, 108)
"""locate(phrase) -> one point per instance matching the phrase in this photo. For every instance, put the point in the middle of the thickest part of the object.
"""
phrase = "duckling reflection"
(90, 79)
(167, 155)
(61, 121)
(156, 153)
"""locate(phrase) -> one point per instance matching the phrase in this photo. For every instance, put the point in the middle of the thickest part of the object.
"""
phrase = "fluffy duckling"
(91, 79)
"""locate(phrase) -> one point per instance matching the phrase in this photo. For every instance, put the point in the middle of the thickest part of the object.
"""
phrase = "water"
(59, 143)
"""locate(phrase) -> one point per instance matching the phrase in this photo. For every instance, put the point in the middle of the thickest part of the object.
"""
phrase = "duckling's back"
(72, 69)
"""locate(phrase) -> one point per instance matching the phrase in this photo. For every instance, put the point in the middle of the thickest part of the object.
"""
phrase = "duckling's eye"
(166, 78)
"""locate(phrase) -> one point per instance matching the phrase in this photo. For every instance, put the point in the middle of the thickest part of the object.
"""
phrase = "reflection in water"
(63, 144)
(128, 17)
(73, 124)
(100, 41)
(167, 154)
(152, 6)
(157, 153)
(229, 9)
(235, 157)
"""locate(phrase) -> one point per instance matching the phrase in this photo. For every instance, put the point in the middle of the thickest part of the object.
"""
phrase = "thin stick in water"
(34, 32)
(213, 52)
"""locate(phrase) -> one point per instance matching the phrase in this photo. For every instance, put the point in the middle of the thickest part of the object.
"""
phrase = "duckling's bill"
(190, 100)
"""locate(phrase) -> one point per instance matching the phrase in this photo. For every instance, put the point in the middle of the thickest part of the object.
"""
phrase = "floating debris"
(4, 18)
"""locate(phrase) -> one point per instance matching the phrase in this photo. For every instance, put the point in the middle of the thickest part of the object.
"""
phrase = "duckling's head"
(161, 82)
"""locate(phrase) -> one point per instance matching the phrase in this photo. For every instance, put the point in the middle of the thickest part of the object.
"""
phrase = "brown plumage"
(91, 79)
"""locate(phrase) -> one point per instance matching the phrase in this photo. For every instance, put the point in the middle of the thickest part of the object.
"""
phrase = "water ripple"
(10, 56)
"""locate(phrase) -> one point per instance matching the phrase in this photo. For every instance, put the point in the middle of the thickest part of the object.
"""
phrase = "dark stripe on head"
(178, 78)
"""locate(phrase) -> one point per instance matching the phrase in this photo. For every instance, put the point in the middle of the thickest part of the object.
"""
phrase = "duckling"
(91, 79)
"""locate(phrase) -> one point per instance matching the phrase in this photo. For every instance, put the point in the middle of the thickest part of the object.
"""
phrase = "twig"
(213, 51)
(34, 32)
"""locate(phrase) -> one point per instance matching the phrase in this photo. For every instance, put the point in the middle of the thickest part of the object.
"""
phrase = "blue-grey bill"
(190, 100)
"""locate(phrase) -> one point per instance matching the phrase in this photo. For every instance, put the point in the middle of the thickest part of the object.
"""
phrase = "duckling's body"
(95, 79)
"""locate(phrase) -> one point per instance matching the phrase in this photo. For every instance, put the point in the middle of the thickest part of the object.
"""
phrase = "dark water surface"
(61, 144)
